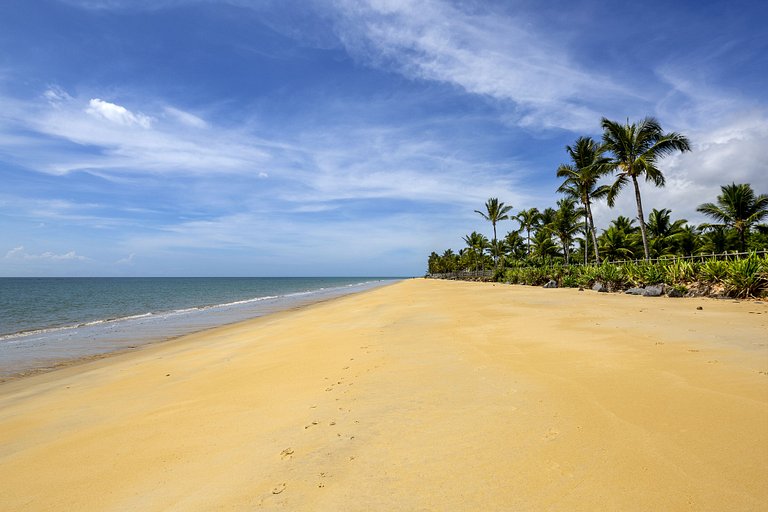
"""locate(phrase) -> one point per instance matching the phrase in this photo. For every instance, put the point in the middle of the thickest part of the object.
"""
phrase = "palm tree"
(546, 217)
(716, 239)
(528, 220)
(687, 240)
(565, 224)
(662, 230)
(477, 244)
(616, 244)
(636, 147)
(514, 246)
(624, 224)
(495, 212)
(543, 246)
(581, 177)
(737, 208)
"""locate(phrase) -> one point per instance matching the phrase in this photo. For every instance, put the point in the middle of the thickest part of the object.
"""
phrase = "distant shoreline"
(48, 349)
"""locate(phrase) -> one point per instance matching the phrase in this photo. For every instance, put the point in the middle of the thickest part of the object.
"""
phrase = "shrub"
(679, 272)
(746, 277)
(713, 271)
(611, 274)
(651, 273)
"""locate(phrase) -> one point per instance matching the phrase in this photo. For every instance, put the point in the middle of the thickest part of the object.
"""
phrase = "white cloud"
(172, 141)
(18, 253)
(128, 260)
(56, 95)
(116, 113)
(186, 118)
(728, 148)
(483, 52)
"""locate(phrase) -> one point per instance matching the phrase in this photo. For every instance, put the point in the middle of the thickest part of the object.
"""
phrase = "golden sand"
(423, 395)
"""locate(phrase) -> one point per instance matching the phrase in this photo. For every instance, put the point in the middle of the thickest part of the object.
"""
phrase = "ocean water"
(46, 321)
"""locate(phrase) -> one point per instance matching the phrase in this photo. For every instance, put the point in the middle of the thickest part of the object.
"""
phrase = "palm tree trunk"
(641, 218)
(528, 231)
(495, 256)
(592, 231)
(586, 239)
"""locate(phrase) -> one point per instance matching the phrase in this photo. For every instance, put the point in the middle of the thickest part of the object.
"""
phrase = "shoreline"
(119, 346)
(422, 394)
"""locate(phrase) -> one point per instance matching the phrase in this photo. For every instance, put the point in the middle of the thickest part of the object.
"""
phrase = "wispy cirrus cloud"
(483, 51)
(350, 159)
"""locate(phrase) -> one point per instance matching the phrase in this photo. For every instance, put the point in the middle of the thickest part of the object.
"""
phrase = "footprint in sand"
(286, 454)
(693, 350)
(551, 434)
(278, 488)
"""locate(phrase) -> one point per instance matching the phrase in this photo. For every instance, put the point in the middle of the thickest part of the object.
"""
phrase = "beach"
(420, 395)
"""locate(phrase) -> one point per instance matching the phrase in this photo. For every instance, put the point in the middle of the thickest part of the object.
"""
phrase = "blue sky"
(339, 137)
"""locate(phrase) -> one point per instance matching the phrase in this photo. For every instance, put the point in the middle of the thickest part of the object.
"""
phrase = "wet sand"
(423, 395)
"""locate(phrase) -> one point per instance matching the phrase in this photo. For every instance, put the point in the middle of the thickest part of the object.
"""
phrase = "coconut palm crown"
(738, 208)
(495, 211)
(635, 149)
(588, 165)
(528, 220)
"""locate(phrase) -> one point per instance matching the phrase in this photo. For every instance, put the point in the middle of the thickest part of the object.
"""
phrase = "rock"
(656, 290)
(551, 284)
(699, 308)
(599, 287)
(676, 292)
(581, 288)
(635, 291)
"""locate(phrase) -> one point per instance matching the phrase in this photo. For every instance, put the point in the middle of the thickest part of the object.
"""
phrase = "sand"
(423, 395)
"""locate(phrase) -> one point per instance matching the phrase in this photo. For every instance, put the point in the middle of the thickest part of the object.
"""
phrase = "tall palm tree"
(495, 211)
(636, 147)
(737, 208)
(581, 176)
(528, 220)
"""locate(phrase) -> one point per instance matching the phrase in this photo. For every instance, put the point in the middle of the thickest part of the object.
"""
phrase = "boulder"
(635, 291)
(655, 290)
(676, 292)
(551, 284)
(599, 287)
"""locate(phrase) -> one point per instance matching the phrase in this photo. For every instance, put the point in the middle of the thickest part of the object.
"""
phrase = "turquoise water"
(44, 321)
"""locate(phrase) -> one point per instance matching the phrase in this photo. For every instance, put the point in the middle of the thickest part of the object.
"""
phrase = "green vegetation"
(628, 252)
(747, 277)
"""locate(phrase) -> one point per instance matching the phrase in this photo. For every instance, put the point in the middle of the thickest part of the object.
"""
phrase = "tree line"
(627, 154)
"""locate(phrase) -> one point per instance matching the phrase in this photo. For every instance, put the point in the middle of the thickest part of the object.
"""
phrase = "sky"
(341, 137)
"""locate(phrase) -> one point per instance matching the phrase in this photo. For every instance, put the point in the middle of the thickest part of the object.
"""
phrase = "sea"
(47, 322)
